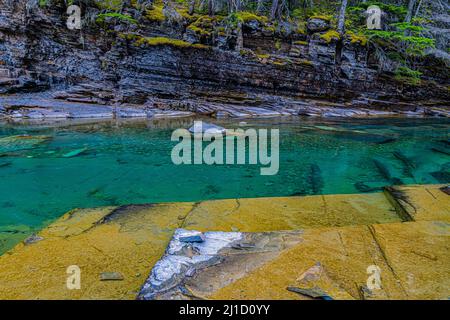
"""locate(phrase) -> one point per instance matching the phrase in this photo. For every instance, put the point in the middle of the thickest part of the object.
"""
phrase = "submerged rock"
(441, 176)
(408, 164)
(386, 172)
(21, 142)
(362, 187)
(387, 140)
(5, 164)
(441, 150)
(74, 153)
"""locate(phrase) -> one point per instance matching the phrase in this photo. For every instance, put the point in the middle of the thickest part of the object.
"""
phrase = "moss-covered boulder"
(318, 24)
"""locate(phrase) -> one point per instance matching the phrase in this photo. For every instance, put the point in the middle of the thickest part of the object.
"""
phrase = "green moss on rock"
(156, 14)
(331, 35)
(163, 41)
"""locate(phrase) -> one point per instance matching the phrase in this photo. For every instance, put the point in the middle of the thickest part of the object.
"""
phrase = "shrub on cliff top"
(398, 10)
(414, 45)
(407, 72)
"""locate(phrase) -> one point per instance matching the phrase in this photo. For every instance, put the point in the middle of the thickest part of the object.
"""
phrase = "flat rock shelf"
(331, 238)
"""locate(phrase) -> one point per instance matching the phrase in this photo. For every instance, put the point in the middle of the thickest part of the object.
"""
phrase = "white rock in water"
(211, 128)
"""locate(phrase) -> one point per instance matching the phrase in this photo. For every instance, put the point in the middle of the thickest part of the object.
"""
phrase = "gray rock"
(32, 239)
(197, 237)
(131, 113)
(317, 25)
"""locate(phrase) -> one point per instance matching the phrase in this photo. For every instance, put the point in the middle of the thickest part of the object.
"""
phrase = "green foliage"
(407, 75)
(414, 45)
(399, 11)
(121, 17)
(278, 44)
(407, 72)
(298, 13)
(407, 26)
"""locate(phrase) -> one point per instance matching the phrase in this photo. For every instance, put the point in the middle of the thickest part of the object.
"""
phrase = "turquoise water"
(129, 162)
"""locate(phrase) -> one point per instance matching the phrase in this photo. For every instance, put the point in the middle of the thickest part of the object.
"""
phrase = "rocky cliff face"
(221, 74)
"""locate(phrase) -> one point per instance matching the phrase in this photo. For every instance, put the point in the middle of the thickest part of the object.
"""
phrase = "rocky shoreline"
(35, 108)
(163, 69)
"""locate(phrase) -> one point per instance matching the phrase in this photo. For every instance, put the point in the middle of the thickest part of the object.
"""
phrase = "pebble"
(32, 239)
(111, 276)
